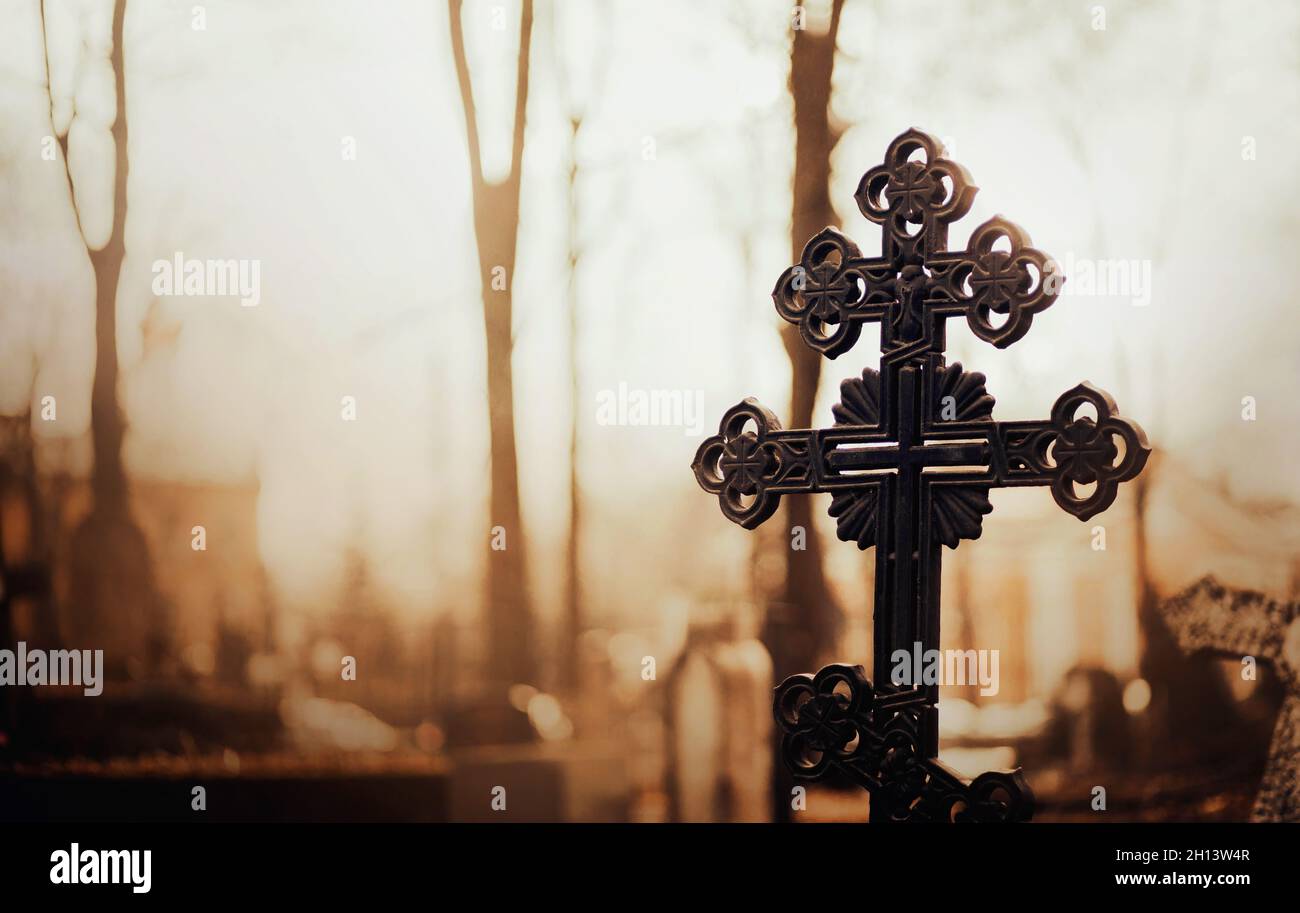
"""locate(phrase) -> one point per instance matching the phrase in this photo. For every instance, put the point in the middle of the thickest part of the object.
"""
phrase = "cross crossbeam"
(911, 459)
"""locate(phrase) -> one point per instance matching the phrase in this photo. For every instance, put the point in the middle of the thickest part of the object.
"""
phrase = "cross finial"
(916, 283)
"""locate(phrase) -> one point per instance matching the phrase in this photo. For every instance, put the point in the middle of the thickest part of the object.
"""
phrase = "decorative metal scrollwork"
(958, 398)
(1016, 283)
(916, 283)
(823, 293)
(735, 463)
(836, 721)
(1076, 450)
(926, 191)
(911, 459)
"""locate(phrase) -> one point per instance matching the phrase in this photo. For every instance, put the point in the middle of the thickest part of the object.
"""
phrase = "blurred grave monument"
(718, 728)
(25, 566)
(909, 463)
(1089, 727)
(1249, 627)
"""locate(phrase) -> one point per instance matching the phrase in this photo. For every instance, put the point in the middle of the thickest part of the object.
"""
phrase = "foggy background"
(327, 141)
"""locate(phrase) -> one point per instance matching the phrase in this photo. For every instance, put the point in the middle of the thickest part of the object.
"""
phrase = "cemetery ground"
(138, 753)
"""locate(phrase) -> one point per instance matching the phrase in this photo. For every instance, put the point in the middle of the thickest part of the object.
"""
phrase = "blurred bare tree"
(111, 573)
(808, 616)
(508, 616)
(577, 109)
(804, 623)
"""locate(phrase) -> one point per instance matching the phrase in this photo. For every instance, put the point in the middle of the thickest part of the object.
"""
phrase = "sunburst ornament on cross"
(909, 463)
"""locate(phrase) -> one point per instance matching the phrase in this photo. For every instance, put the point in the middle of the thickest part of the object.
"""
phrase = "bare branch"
(466, 91)
(60, 138)
(521, 91)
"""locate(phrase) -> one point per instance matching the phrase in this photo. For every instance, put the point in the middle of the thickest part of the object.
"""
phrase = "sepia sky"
(1165, 138)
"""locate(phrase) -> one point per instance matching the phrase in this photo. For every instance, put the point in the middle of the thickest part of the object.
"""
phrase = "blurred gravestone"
(1089, 727)
(1252, 628)
(24, 546)
(719, 729)
(24, 557)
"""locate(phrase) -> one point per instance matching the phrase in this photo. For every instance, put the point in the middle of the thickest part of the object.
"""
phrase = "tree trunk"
(802, 626)
(508, 614)
(113, 598)
(105, 417)
(810, 614)
(569, 660)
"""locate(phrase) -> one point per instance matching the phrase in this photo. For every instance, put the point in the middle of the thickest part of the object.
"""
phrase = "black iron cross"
(909, 462)
(1239, 623)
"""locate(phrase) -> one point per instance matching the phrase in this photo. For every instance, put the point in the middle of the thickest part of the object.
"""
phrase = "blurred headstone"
(1254, 629)
(24, 557)
(234, 648)
(719, 729)
(486, 721)
(1089, 726)
(24, 546)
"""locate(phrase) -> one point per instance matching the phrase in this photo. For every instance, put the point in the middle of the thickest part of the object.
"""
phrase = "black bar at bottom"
(449, 864)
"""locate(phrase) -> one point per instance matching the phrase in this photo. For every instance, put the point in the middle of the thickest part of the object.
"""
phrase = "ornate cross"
(909, 463)
(1239, 623)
